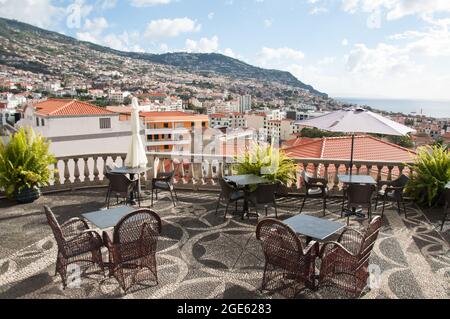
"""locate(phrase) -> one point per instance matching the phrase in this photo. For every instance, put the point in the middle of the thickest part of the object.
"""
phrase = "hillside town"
(273, 117)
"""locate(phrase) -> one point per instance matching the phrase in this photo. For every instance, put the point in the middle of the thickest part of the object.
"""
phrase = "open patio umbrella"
(136, 156)
(356, 120)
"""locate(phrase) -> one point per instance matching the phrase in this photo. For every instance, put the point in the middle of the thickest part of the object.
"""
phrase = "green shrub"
(24, 162)
(268, 162)
(431, 172)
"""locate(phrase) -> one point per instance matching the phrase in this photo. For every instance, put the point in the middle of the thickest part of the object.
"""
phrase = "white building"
(245, 103)
(231, 120)
(77, 128)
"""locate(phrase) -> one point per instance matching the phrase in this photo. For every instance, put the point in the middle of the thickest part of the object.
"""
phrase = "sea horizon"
(433, 108)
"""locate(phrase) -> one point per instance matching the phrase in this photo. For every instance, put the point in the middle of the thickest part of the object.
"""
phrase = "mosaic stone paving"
(201, 255)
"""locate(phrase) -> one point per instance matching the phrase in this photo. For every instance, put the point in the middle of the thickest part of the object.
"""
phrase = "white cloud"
(166, 28)
(148, 3)
(230, 53)
(275, 57)
(344, 42)
(211, 15)
(107, 4)
(204, 45)
(41, 13)
(318, 10)
(326, 60)
(395, 9)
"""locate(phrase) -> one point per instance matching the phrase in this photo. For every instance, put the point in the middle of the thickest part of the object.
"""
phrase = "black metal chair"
(447, 204)
(264, 195)
(164, 181)
(230, 194)
(358, 196)
(122, 186)
(314, 187)
(392, 191)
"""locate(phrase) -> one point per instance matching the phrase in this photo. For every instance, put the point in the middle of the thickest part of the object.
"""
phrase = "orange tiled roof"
(63, 107)
(367, 148)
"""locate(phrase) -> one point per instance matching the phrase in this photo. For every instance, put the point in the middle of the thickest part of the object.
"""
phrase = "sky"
(346, 48)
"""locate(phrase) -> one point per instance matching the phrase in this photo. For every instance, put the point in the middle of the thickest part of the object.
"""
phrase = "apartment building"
(231, 120)
(171, 131)
(245, 103)
(76, 127)
(280, 130)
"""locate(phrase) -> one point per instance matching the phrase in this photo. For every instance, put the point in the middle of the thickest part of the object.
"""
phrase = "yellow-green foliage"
(431, 172)
(24, 162)
(269, 162)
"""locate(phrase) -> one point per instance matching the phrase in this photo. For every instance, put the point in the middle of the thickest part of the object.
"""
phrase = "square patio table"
(243, 181)
(246, 180)
(357, 179)
(108, 218)
(313, 227)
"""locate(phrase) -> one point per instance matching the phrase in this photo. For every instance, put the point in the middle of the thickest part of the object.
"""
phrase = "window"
(166, 125)
(37, 121)
(192, 124)
(149, 137)
(203, 124)
(42, 122)
(105, 123)
(166, 147)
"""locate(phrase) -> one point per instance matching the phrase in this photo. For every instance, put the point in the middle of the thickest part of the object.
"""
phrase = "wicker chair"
(132, 249)
(314, 187)
(264, 195)
(345, 263)
(358, 196)
(289, 267)
(230, 194)
(447, 204)
(164, 181)
(121, 186)
(76, 244)
(392, 191)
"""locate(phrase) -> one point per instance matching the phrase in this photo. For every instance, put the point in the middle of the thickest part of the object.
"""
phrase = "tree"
(316, 133)
(403, 141)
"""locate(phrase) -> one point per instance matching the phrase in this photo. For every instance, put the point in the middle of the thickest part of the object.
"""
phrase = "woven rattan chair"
(345, 263)
(392, 191)
(229, 194)
(77, 244)
(446, 206)
(164, 181)
(358, 196)
(289, 267)
(264, 195)
(315, 188)
(121, 186)
(132, 249)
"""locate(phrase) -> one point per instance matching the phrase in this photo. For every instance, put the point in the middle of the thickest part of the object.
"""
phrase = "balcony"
(201, 255)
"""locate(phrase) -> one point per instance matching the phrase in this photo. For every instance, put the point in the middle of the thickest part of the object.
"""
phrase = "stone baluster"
(96, 171)
(76, 172)
(358, 168)
(123, 157)
(316, 169)
(209, 174)
(105, 159)
(380, 168)
(390, 168)
(326, 171)
(57, 177)
(66, 172)
(401, 168)
(336, 176)
(369, 169)
(86, 170)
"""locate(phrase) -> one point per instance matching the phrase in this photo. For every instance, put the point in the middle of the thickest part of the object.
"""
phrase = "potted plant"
(270, 163)
(431, 171)
(24, 165)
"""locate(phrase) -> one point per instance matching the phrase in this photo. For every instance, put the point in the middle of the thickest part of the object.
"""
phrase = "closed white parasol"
(136, 156)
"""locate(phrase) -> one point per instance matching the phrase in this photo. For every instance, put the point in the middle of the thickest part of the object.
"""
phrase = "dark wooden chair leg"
(303, 204)
(218, 203)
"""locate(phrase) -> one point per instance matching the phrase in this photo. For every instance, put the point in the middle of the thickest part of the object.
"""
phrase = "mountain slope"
(24, 46)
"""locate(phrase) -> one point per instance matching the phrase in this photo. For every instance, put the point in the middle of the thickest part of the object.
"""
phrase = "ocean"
(439, 109)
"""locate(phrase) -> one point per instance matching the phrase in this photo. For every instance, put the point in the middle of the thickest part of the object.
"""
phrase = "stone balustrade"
(200, 172)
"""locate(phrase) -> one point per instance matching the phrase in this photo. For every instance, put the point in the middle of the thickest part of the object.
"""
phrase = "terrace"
(201, 255)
